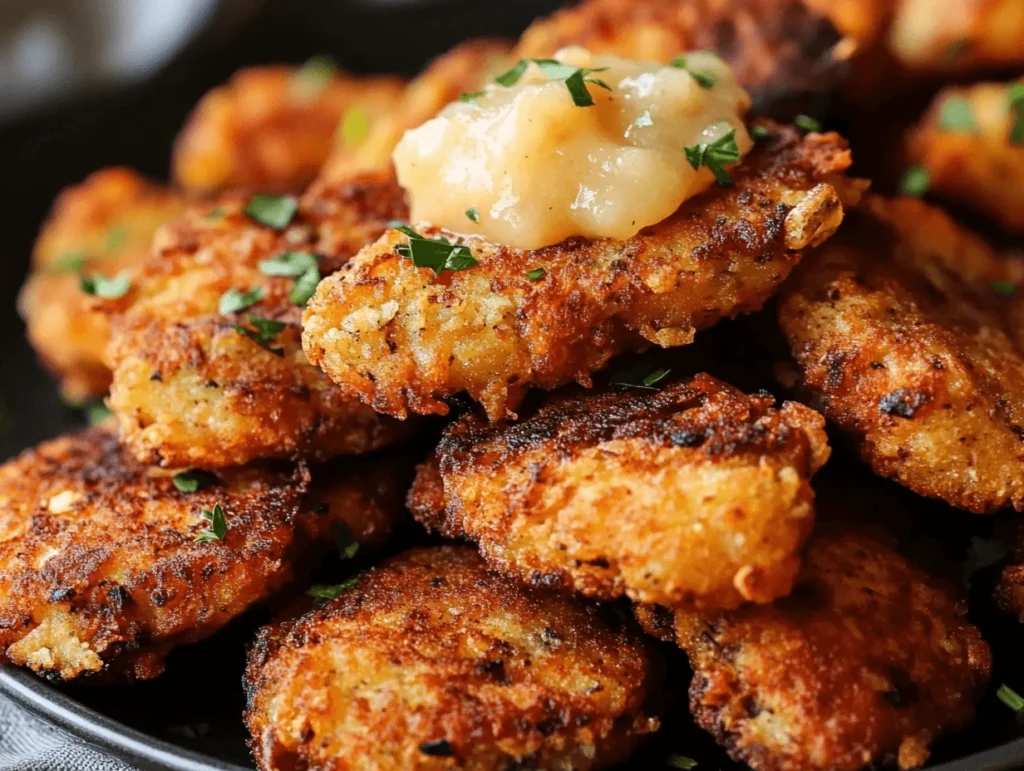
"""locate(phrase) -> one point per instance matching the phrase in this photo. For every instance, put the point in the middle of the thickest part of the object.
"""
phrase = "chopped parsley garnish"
(233, 300)
(274, 211)
(715, 155)
(216, 213)
(265, 332)
(325, 592)
(536, 274)
(1015, 97)
(1005, 288)
(473, 213)
(71, 262)
(302, 266)
(761, 132)
(915, 181)
(193, 481)
(218, 528)
(116, 237)
(576, 78)
(355, 126)
(471, 96)
(957, 114)
(106, 288)
(640, 377)
(346, 541)
(644, 121)
(313, 77)
(807, 124)
(438, 254)
(1010, 698)
(96, 413)
(681, 761)
(704, 80)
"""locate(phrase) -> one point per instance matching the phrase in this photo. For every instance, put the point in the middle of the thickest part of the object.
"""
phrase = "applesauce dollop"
(526, 166)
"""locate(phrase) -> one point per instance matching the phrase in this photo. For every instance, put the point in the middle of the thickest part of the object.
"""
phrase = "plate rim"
(50, 704)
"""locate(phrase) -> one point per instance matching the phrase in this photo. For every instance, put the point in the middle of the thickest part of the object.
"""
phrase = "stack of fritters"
(266, 343)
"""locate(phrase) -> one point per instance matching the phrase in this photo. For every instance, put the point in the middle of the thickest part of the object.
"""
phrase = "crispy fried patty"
(432, 662)
(270, 129)
(103, 225)
(100, 571)
(404, 339)
(974, 163)
(190, 388)
(695, 495)
(867, 662)
(463, 69)
(902, 330)
(781, 52)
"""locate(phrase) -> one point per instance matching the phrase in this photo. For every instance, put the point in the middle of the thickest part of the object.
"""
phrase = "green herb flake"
(116, 238)
(759, 132)
(346, 541)
(536, 274)
(216, 213)
(681, 761)
(234, 300)
(1010, 698)
(576, 78)
(291, 264)
(274, 211)
(715, 155)
(704, 79)
(915, 181)
(438, 254)
(106, 288)
(1015, 99)
(313, 77)
(355, 126)
(807, 124)
(322, 592)
(956, 114)
(474, 214)
(640, 377)
(1005, 288)
(264, 333)
(305, 287)
(97, 413)
(70, 262)
(471, 96)
(193, 481)
(218, 528)
(955, 51)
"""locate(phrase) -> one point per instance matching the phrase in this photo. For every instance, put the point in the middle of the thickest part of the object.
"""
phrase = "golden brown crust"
(867, 662)
(431, 661)
(99, 569)
(463, 69)
(102, 225)
(191, 390)
(977, 167)
(781, 52)
(902, 335)
(270, 130)
(695, 495)
(403, 339)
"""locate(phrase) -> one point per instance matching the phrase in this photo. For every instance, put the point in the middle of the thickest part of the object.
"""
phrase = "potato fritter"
(404, 339)
(463, 69)
(103, 225)
(901, 328)
(100, 570)
(270, 129)
(430, 661)
(782, 53)
(694, 495)
(964, 141)
(191, 388)
(867, 662)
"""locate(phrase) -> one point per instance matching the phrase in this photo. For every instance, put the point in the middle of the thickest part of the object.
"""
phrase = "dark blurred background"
(92, 83)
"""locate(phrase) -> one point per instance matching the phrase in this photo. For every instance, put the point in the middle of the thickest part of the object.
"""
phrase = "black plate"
(190, 719)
